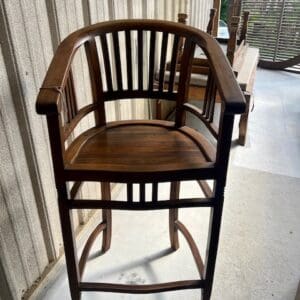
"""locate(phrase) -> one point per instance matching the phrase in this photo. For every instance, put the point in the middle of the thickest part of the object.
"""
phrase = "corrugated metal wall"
(198, 12)
(30, 31)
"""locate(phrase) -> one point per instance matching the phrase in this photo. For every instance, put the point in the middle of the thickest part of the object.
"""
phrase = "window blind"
(274, 28)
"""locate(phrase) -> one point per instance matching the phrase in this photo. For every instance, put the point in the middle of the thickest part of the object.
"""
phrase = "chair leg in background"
(212, 246)
(243, 124)
(106, 216)
(173, 216)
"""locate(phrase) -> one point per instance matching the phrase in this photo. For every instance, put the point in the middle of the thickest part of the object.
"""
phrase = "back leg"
(173, 215)
(106, 216)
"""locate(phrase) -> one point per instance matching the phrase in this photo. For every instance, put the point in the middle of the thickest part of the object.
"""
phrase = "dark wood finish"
(173, 63)
(154, 191)
(217, 7)
(205, 188)
(244, 30)
(129, 59)
(210, 26)
(147, 151)
(128, 143)
(70, 99)
(129, 192)
(75, 189)
(142, 289)
(163, 56)
(69, 128)
(151, 59)
(140, 60)
(153, 205)
(199, 113)
(106, 216)
(231, 47)
(243, 124)
(184, 81)
(69, 243)
(142, 193)
(193, 247)
(216, 211)
(117, 60)
(173, 216)
(96, 82)
(88, 246)
(106, 62)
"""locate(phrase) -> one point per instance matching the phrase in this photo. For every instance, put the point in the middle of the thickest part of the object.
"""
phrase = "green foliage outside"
(224, 10)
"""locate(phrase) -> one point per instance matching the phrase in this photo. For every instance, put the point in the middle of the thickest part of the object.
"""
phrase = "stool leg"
(173, 216)
(212, 246)
(69, 243)
(106, 216)
(243, 124)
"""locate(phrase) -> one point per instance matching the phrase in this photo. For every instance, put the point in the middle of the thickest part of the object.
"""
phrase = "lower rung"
(124, 205)
(141, 289)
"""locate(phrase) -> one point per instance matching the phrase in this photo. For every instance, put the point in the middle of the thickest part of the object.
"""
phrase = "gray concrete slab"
(273, 143)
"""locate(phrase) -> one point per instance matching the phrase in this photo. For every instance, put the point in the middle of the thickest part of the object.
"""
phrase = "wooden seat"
(141, 148)
(138, 151)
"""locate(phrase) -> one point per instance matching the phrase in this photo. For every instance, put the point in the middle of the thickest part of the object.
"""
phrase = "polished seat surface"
(151, 146)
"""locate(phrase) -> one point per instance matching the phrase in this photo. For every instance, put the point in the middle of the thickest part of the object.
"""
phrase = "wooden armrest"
(48, 99)
(228, 87)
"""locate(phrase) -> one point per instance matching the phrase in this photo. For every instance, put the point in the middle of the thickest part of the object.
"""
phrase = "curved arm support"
(48, 101)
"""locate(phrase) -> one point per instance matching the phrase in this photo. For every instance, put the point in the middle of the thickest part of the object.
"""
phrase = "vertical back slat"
(213, 101)
(96, 80)
(154, 191)
(129, 192)
(73, 95)
(129, 59)
(184, 80)
(163, 56)
(173, 62)
(209, 98)
(106, 61)
(207, 95)
(70, 97)
(151, 59)
(140, 60)
(116, 45)
(182, 18)
(142, 192)
(67, 99)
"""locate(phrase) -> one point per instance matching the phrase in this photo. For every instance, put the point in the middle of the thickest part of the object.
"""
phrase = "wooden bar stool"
(138, 152)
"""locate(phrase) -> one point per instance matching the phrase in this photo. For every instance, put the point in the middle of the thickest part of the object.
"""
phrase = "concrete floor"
(259, 252)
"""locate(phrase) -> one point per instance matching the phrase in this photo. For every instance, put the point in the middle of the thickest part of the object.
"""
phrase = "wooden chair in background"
(243, 60)
(138, 152)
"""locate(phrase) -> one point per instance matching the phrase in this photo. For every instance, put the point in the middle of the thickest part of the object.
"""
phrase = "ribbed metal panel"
(199, 13)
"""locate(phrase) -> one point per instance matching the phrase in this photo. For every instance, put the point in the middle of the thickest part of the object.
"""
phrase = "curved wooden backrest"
(114, 40)
(58, 72)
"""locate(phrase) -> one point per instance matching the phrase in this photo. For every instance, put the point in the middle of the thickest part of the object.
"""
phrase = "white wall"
(30, 31)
